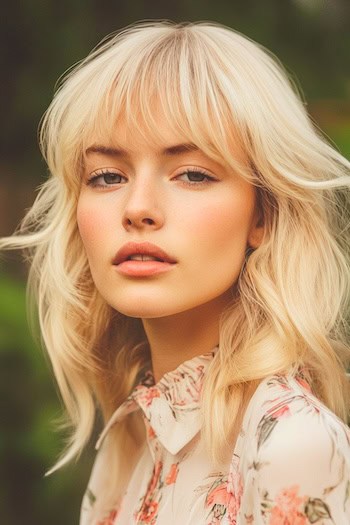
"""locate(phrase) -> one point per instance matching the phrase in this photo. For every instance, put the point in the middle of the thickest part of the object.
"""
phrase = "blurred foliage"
(39, 40)
(28, 445)
(341, 137)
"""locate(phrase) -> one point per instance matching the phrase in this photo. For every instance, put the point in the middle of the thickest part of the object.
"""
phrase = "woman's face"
(174, 197)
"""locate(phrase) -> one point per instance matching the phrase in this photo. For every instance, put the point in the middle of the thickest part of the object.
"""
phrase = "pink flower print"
(304, 384)
(148, 514)
(173, 472)
(146, 395)
(158, 467)
(109, 520)
(235, 491)
(281, 412)
(217, 494)
(289, 508)
(150, 432)
(217, 500)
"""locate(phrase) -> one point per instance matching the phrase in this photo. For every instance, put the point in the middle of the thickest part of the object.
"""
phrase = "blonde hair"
(220, 91)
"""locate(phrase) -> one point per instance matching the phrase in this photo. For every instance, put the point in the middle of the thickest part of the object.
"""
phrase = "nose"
(142, 208)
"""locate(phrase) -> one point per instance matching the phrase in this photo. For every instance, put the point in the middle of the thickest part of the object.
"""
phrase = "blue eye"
(195, 177)
(105, 178)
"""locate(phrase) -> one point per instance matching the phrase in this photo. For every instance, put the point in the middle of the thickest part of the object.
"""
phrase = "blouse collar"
(171, 407)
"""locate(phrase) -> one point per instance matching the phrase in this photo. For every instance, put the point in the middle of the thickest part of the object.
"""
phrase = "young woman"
(188, 259)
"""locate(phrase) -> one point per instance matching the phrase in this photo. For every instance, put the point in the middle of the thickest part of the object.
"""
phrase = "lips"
(143, 251)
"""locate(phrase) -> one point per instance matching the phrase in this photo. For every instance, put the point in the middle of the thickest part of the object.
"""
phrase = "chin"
(153, 310)
(143, 311)
(142, 314)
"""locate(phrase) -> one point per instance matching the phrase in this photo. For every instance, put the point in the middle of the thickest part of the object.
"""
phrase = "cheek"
(223, 237)
(223, 225)
(92, 222)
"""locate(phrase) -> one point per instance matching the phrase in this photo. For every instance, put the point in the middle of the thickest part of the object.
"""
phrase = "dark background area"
(39, 40)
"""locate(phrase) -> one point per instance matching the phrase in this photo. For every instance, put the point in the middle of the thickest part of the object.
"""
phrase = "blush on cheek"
(208, 218)
(90, 225)
(222, 221)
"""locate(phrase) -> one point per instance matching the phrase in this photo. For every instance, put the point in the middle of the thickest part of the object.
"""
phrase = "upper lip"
(141, 248)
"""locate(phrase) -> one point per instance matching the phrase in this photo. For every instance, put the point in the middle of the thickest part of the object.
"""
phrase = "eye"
(104, 178)
(195, 177)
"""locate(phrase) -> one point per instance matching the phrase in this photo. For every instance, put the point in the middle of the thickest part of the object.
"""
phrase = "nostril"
(140, 220)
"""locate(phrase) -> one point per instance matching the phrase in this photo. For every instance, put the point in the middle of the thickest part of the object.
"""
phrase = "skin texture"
(206, 226)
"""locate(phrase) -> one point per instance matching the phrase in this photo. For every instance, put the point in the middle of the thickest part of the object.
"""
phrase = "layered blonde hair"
(221, 91)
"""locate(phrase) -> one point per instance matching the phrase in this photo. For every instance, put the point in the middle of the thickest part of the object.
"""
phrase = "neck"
(182, 336)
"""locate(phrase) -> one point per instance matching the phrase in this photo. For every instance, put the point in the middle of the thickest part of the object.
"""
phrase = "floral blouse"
(290, 464)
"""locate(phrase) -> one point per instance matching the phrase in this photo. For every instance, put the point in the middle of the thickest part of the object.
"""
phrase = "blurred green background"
(39, 41)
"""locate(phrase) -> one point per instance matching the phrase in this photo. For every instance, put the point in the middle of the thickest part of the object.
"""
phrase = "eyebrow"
(170, 151)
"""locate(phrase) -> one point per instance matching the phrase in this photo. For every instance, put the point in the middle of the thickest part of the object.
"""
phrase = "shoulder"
(288, 421)
(296, 452)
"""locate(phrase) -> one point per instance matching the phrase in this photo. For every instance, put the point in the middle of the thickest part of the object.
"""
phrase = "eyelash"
(93, 180)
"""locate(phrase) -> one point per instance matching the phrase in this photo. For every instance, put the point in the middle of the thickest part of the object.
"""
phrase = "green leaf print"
(316, 509)
(265, 428)
(347, 493)
(90, 496)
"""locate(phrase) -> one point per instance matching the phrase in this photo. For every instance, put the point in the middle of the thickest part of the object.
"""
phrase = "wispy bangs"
(172, 79)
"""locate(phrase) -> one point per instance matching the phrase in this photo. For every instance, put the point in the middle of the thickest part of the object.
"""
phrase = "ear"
(257, 230)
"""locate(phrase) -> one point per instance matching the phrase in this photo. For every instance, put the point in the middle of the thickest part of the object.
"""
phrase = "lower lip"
(143, 268)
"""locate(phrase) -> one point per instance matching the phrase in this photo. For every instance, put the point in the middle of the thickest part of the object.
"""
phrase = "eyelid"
(197, 169)
(103, 171)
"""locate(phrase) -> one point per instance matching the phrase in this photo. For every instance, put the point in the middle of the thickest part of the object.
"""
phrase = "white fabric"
(290, 464)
